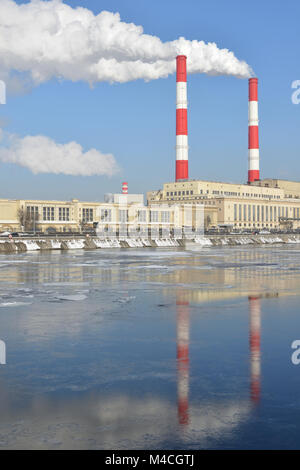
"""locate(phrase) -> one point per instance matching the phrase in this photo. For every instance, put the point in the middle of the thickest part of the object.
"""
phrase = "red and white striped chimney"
(253, 152)
(182, 170)
(124, 188)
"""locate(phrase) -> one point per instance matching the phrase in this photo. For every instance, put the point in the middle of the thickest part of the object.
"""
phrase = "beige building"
(118, 214)
(269, 204)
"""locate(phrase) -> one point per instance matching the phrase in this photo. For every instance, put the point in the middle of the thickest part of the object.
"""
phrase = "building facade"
(268, 204)
(121, 214)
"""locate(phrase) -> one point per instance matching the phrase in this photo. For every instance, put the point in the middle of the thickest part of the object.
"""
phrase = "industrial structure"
(259, 204)
(182, 164)
(123, 214)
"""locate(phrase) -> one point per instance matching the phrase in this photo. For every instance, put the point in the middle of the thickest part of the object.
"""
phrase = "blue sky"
(135, 121)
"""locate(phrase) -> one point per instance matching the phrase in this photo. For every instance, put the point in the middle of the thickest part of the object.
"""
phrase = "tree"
(208, 220)
(28, 220)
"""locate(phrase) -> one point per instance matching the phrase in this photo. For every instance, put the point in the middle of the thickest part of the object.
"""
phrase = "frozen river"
(150, 349)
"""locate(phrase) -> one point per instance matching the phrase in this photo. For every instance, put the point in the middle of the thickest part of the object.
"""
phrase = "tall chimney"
(124, 188)
(253, 152)
(182, 171)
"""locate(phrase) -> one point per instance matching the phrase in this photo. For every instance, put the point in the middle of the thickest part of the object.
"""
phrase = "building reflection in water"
(122, 416)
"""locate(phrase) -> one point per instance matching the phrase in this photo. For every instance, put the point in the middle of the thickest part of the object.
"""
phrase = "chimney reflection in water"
(254, 338)
(183, 334)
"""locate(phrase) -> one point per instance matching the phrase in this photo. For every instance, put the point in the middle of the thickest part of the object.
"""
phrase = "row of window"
(63, 213)
(262, 213)
(180, 193)
(106, 216)
(48, 213)
(225, 193)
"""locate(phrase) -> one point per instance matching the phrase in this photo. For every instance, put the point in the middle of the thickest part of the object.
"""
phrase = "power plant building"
(260, 204)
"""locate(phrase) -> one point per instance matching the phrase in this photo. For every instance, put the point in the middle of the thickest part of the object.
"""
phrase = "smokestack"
(253, 152)
(182, 172)
(124, 188)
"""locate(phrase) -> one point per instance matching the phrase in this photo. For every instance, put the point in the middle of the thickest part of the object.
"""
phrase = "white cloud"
(42, 155)
(51, 39)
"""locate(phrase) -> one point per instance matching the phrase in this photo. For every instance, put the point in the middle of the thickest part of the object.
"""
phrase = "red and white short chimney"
(253, 152)
(182, 171)
(124, 188)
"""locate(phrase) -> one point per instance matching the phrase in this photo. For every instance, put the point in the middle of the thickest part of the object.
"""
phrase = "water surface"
(150, 349)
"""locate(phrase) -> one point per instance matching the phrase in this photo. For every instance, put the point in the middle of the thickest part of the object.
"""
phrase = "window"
(165, 217)
(32, 212)
(64, 213)
(88, 214)
(235, 212)
(48, 213)
(154, 216)
(142, 216)
(123, 216)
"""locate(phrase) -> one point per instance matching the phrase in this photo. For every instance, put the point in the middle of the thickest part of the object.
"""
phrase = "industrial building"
(259, 204)
(123, 214)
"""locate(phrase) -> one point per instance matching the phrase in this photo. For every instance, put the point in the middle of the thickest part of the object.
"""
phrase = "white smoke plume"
(41, 154)
(46, 39)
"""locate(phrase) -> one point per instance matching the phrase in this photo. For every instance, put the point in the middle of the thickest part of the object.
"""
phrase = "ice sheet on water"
(55, 244)
(31, 245)
(73, 297)
(71, 283)
(151, 266)
(75, 244)
(15, 304)
(124, 300)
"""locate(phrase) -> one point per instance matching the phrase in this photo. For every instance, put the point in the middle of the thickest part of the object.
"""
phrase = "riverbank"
(92, 243)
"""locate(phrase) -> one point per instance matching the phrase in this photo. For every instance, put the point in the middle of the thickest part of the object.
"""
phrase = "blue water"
(150, 349)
